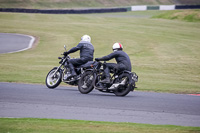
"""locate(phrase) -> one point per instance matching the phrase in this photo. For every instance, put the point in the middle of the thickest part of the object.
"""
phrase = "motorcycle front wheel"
(123, 90)
(85, 84)
(53, 80)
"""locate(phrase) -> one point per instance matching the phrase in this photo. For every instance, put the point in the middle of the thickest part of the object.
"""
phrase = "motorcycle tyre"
(81, 81)
(58, 81)
(127, 89)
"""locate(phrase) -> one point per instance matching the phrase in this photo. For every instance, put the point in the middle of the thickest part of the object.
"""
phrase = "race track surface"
(10, 42)
(37, 101)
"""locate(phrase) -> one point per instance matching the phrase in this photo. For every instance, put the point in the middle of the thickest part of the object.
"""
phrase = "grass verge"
(164, 53)
(32, 125)
(184, 15)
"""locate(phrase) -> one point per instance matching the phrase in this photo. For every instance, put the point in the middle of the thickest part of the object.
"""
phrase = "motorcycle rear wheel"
(125, 89)
(85, 84)
(52, 81)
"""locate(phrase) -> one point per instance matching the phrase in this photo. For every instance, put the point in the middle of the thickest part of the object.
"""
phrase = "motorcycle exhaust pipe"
(116, 85)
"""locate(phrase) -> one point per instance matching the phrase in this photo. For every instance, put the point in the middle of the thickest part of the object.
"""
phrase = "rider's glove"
(96, 59)
(65, 53)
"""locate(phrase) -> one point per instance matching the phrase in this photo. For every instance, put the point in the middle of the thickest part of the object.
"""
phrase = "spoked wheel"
(85, 84)
(53, 80)
(125, 86)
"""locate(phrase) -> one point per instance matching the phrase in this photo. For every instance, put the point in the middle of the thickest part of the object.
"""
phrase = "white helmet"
(117, 46)
(86, 38)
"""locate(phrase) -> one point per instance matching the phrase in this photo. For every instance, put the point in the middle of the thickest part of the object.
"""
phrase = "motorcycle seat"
(86, 65)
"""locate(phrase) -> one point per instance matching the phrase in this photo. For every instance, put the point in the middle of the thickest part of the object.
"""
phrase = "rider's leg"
(107, 68)
(71, 67)
(74, 63)
(107, 74)
(71, 64)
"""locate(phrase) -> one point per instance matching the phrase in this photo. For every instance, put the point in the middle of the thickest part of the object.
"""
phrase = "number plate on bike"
(135, 77)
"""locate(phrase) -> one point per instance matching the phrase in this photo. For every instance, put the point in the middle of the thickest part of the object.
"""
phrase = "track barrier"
(64, 11)
(100, 10)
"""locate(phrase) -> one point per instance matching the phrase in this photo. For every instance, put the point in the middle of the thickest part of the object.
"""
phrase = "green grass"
(164, 53)
(33, 125)
(184, 15)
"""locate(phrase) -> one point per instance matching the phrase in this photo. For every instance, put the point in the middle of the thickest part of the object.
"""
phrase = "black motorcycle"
(121, 82)
(63, 73)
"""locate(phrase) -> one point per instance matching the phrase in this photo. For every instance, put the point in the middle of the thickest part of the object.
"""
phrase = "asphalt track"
(37, 101)
(10, 42)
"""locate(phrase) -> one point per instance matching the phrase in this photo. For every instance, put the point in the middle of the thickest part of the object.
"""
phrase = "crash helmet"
(86, 38)
(117, 46)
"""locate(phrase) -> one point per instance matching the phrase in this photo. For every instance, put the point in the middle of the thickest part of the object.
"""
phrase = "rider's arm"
(74, 49)
(108, 57)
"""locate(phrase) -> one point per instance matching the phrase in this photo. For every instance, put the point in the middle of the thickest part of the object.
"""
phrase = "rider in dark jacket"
(122, 59)
(86, 53)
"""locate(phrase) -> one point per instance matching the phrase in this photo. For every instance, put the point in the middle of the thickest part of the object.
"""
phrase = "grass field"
(164, 53)
(32, 125)
(184, 15)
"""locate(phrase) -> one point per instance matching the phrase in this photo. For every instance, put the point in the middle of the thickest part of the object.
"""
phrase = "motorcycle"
(62, 73)
(121, 82)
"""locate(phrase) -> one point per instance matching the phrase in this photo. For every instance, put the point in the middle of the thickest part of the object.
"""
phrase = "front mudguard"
(94, 75)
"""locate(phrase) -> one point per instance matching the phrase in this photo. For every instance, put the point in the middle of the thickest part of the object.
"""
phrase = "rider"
(86, 54)
(122, 59)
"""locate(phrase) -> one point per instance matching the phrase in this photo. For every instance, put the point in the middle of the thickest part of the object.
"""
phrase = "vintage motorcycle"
(121, 82)
(62, 73)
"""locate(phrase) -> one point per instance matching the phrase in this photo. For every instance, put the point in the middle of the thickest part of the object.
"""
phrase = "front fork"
(62, 64)
(57, 70)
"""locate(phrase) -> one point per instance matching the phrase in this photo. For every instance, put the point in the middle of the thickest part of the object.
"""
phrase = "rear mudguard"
(131, 82)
